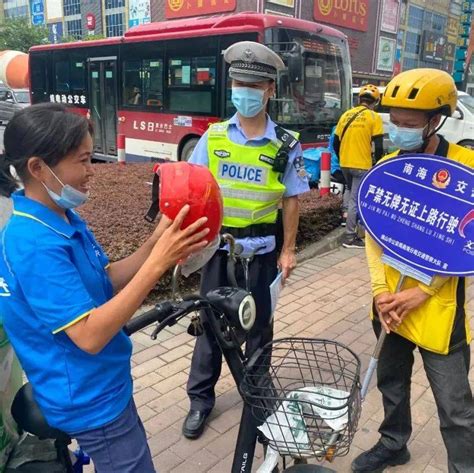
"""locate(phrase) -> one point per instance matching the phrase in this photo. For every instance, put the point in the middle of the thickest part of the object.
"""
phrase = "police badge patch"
(221, 153)
(266, 159)
(299, 166)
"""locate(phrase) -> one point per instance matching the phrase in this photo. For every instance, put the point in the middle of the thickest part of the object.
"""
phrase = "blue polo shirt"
(295, 181)
(52, 274)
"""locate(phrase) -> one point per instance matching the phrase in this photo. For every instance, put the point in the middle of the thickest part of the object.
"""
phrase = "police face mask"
(407, 139)
(248, 101)
(70, 198)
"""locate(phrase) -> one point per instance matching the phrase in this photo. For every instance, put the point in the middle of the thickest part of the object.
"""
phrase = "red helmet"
(181, 183)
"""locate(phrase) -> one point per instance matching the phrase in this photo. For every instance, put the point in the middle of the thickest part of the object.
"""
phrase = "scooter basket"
(305, 395)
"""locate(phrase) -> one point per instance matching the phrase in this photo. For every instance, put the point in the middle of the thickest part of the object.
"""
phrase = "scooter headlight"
(236, 303)
(247, 312)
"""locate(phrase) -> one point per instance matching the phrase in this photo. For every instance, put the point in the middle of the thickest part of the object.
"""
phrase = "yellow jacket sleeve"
(378, 125)
(376, 268)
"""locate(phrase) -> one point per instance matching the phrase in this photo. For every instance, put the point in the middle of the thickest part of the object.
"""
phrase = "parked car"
(12, 100)
(459, 128)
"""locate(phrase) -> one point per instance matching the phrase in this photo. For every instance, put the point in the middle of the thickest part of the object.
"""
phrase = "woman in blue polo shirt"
(63, 303)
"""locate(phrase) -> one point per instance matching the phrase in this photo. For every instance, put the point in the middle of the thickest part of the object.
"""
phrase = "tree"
(19, 35)
(93, 37)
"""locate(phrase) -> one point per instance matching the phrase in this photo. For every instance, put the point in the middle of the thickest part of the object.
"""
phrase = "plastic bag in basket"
(286, 427)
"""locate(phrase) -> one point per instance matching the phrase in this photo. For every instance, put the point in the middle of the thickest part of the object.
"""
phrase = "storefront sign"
(273, 12)
(138, 12)
(434, 46)
(386, 54)
(55, 32)
(90, 21)
(284, 3)
(37, 12)
(448, 66)
(390, 12)
(352, 14)
(450, 50)
(185, 8)
(420, 209)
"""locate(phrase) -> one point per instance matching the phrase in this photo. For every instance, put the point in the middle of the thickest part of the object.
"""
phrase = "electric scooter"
(301, 396)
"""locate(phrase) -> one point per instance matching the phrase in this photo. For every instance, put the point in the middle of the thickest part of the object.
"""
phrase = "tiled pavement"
(328, 296)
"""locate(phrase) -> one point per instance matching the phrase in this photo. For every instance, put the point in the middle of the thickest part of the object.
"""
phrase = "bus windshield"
(314, 89)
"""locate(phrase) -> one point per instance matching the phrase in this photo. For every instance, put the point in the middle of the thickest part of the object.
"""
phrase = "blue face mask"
(248, 101)
(70, 198)
(407, 139)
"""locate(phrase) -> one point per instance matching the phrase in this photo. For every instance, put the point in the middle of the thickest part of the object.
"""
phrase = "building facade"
(428, 33)
(77, 19)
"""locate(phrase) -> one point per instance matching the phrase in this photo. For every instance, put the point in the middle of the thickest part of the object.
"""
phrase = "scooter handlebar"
(159, 313)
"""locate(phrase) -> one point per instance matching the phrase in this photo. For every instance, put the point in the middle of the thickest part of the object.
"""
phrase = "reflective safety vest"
(251, 190)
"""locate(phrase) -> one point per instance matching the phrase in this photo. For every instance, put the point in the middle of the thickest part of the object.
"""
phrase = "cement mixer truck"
(14, 83)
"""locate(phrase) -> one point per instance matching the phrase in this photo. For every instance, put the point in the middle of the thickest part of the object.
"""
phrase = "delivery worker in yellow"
(419, 101)
(356, 131)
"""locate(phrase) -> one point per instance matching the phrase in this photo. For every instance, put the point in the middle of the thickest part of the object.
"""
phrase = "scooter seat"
(29, 417)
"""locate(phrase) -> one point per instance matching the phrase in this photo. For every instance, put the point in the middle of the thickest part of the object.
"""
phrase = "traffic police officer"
(437, 321)
(257, 165)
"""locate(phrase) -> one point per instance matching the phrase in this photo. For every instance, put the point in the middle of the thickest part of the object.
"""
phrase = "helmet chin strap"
(429, 135)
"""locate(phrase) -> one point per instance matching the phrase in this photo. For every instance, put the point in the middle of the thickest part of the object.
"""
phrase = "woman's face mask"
(248, 101)
(70, 198)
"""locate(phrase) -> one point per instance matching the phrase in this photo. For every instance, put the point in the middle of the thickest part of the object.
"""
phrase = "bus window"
(153, 83)
(132, 82)
(69, 74)
(143, 83)
(191, 84)
(61, 76)
(39, 77)
(77, 75)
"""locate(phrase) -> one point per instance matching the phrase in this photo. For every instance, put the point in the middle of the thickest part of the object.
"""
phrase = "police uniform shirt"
(294, 177)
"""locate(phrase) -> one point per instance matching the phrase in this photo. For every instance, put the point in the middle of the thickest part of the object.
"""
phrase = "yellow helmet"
(371, 91)
(428, 90)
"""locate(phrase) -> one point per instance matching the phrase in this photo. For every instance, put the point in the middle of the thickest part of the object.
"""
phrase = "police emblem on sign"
(221, 153)
(441, 179)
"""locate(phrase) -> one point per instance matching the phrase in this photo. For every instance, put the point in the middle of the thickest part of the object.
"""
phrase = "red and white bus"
(159, 86)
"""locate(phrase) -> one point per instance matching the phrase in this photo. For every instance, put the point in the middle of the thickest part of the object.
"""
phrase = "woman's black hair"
(48, 131)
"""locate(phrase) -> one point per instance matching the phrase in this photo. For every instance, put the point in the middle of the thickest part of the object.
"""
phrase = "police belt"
(256, 230)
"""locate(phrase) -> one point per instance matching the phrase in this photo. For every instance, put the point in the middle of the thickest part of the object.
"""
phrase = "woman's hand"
(175, 244)
(163, 224)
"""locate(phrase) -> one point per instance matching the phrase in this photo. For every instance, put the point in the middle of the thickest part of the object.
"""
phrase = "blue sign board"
(37, 12)
(461, 54)
(420, 209)
(55, 32)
